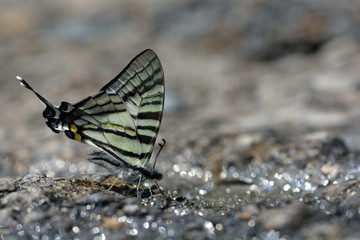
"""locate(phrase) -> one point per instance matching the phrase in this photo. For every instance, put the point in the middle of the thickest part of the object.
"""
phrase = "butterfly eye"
(49, 112)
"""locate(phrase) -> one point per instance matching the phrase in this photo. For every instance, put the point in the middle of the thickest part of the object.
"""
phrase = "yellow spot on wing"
(77, 137)
(119, 128)
(73, 129)
(89, 125)
(109, 126)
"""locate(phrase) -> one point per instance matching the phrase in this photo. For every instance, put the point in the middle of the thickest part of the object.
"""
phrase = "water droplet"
(154, 225)
(176, 168)
(162, 229)
(219, 226)
(59, 163)
(133, 232)
(308, 186)
(122, 219)
(75, 229)
(171, 232)
(100, 237)
(73, 168)
(286, 187)
(202, 191)
(209, 226)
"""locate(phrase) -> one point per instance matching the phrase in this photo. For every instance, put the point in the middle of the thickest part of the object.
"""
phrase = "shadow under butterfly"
(122, 119)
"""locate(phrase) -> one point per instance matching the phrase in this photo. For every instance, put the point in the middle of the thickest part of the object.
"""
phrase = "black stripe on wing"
(141, 86)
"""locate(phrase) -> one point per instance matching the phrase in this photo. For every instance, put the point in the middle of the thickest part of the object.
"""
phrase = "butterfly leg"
(161, 191)
(138, 187)
(112, 185)
(151, 193)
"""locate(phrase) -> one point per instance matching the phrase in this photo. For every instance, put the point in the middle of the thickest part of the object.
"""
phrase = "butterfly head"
(51, 115)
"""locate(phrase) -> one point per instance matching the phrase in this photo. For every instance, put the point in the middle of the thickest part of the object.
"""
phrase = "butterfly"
(122, 119)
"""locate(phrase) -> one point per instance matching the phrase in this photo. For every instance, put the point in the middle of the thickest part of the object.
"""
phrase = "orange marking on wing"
(77, 137)
(73, 128)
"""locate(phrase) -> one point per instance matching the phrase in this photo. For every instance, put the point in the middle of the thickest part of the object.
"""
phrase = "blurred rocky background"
(261, 118)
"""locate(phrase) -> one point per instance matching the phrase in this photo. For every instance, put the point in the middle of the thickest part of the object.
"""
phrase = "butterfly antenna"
(161, 145)
(26, 85)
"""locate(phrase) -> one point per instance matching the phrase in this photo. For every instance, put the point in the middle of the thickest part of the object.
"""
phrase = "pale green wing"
(124, 117)
(105, 123)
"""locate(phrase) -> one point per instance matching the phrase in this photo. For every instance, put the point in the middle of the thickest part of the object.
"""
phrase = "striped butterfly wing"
(124, 118)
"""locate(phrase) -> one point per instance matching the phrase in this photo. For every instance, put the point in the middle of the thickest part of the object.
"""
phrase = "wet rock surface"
(261, 120)
(286, 196)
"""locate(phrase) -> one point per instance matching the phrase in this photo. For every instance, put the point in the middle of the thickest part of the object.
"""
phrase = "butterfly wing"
(104, 122)
(141, 85)
(124, 117)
